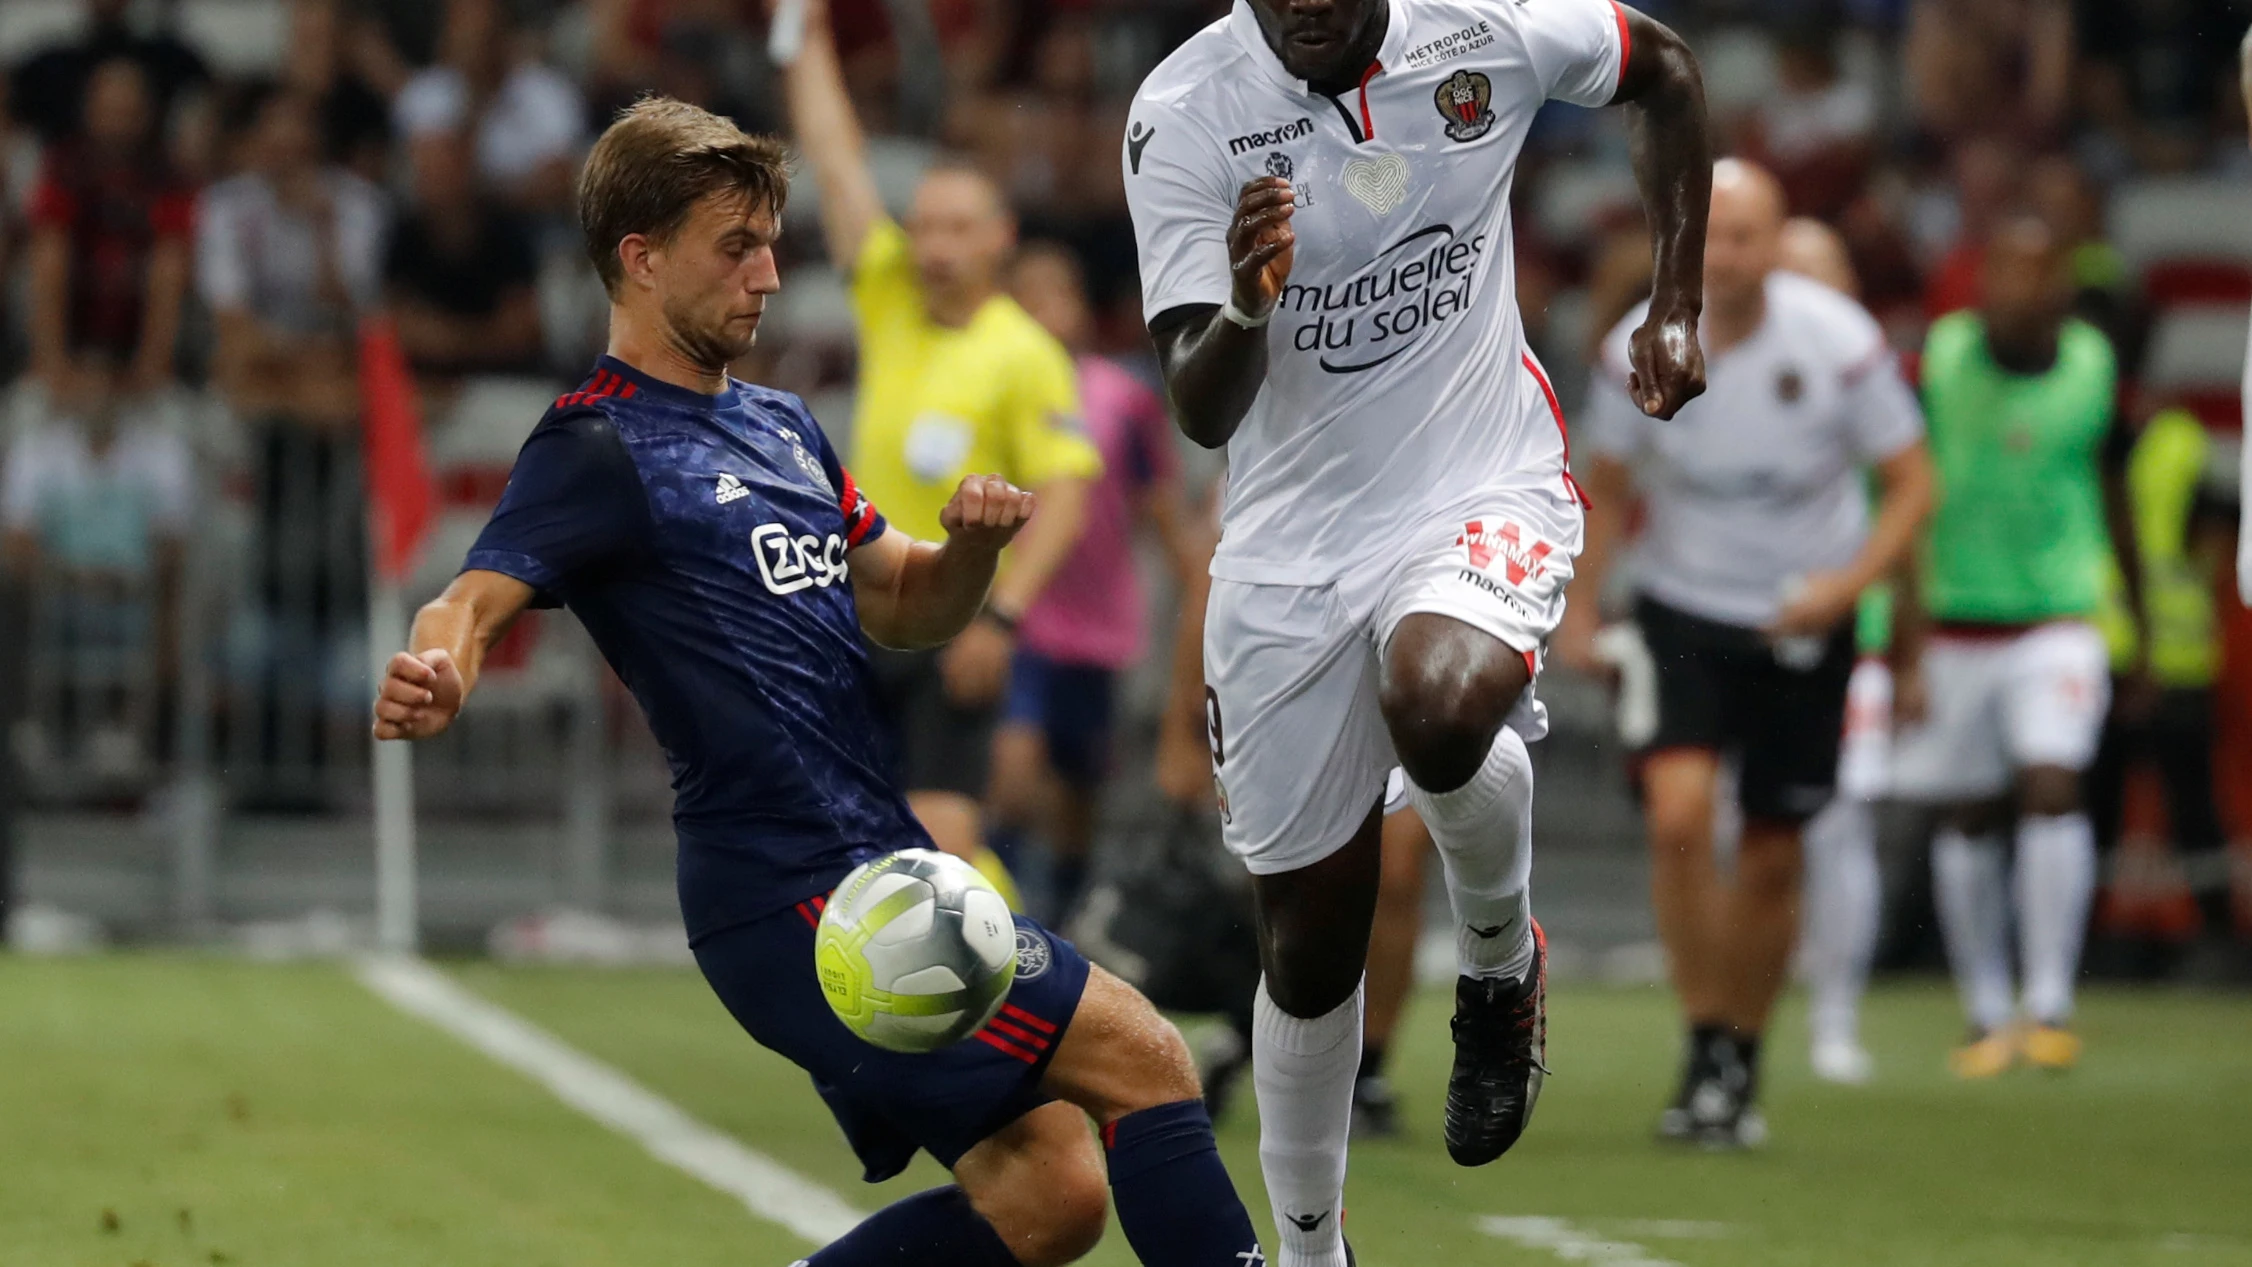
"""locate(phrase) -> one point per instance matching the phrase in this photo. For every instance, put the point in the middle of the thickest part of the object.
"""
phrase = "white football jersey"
(1398, 382)
(1760, 480)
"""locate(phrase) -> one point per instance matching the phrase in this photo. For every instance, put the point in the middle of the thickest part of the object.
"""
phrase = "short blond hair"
(655, 162)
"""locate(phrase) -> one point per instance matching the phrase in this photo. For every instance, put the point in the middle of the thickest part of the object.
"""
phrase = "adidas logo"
(730, 489)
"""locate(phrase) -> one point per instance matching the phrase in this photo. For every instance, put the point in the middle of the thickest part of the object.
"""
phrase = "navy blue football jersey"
(701, 540)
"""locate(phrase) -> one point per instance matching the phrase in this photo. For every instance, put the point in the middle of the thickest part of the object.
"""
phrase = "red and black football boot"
(1500, 1050)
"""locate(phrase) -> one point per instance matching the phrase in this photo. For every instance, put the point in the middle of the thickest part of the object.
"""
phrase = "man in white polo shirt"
(1757, 547)
(1321, 203)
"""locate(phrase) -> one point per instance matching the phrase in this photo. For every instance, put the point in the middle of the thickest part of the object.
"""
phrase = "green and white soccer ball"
(916, 951)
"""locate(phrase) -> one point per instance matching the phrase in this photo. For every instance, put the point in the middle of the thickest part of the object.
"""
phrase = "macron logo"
(730, 490)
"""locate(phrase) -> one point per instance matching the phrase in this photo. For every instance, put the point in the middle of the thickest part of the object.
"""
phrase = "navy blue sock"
(1175, 1201)
(930, 1229)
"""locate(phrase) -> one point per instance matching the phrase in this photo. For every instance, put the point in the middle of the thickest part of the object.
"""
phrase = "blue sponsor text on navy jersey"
(702, 541)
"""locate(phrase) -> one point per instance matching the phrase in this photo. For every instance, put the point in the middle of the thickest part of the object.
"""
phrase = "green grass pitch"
(177, 1111)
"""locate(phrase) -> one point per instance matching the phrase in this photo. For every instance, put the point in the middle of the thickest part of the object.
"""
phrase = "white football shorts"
(1999, 705)
(1865, 756)
(1300, 751)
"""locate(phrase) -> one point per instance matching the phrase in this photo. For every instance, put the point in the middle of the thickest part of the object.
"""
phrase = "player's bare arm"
(827, 132)
(1909, 492)
(2137, 691)
(1215, 359)
(1665, 95)
(1609, 484)
(920, 593)
(1911, 631)
(424, 686)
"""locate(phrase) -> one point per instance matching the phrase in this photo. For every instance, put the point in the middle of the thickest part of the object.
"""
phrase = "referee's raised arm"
(828, 135)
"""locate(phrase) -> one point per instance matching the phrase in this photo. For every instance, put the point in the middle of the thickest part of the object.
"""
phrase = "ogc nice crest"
(1465, 102)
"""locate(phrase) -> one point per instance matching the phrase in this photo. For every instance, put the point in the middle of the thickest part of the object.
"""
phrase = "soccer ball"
(916, 951)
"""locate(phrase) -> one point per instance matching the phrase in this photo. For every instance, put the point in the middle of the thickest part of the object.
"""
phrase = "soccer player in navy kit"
(703, 531)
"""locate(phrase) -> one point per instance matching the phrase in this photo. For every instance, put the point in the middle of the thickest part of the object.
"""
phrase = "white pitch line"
(766, 1187)
(1671, 1229)
(1572, 1244)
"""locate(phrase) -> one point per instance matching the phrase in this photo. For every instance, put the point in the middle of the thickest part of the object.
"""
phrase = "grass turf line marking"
(1573, 1244)
(766, 1187)
(1671, 1229)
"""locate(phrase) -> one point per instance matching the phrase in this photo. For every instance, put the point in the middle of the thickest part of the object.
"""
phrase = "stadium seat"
(26, 25)
(1739, 68)
(240, 37)
(488, 421)
(832, 407)
(2199, 348)
(813, 306)
(471, 446)
(2186, 282)
(1576, 195)
(2221, 410)
(898, 163)
(2181, 218)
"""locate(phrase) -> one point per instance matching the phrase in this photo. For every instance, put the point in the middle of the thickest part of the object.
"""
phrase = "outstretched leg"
(1029, 1196)
(1126, 1067)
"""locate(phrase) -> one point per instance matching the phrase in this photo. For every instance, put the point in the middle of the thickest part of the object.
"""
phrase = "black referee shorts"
(941, 746)
(1721, 687)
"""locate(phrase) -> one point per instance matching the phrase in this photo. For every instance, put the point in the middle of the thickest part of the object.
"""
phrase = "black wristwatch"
(994, 614)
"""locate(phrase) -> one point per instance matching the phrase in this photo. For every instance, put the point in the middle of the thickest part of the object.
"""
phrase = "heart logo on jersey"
(1380, 183)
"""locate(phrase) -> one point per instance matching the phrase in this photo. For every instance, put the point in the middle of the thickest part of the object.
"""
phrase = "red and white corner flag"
(401, 504)
(401, 498)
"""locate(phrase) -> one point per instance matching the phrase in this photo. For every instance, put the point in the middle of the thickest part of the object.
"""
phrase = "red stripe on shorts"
(995, 1041)
(1034, 1041)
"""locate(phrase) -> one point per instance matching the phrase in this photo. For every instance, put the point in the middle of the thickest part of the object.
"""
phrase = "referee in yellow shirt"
(954, 379)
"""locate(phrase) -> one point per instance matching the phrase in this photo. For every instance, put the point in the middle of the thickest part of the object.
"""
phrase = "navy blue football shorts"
(890, 1103)
(1071, 706)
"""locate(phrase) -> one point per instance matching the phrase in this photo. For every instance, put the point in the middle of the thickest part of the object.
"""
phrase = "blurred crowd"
(189, 244)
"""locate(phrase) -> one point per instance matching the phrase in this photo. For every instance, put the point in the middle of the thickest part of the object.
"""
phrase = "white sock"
(1303, 1071)
(2056, 876)
(1974, 917)
(1843, 891)
(1484, 831)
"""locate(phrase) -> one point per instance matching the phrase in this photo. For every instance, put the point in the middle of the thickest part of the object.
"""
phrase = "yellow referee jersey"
(998, 395)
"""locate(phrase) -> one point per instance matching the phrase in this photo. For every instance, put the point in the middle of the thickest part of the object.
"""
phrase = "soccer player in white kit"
(1844, 896)
(1320, 191)
(1758, 544)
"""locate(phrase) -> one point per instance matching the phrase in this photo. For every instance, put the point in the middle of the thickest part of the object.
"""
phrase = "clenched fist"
(419, 697)
(1668, 365)
(986, 511)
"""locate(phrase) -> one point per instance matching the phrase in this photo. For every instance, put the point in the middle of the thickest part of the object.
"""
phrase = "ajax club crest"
(1465, 101)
